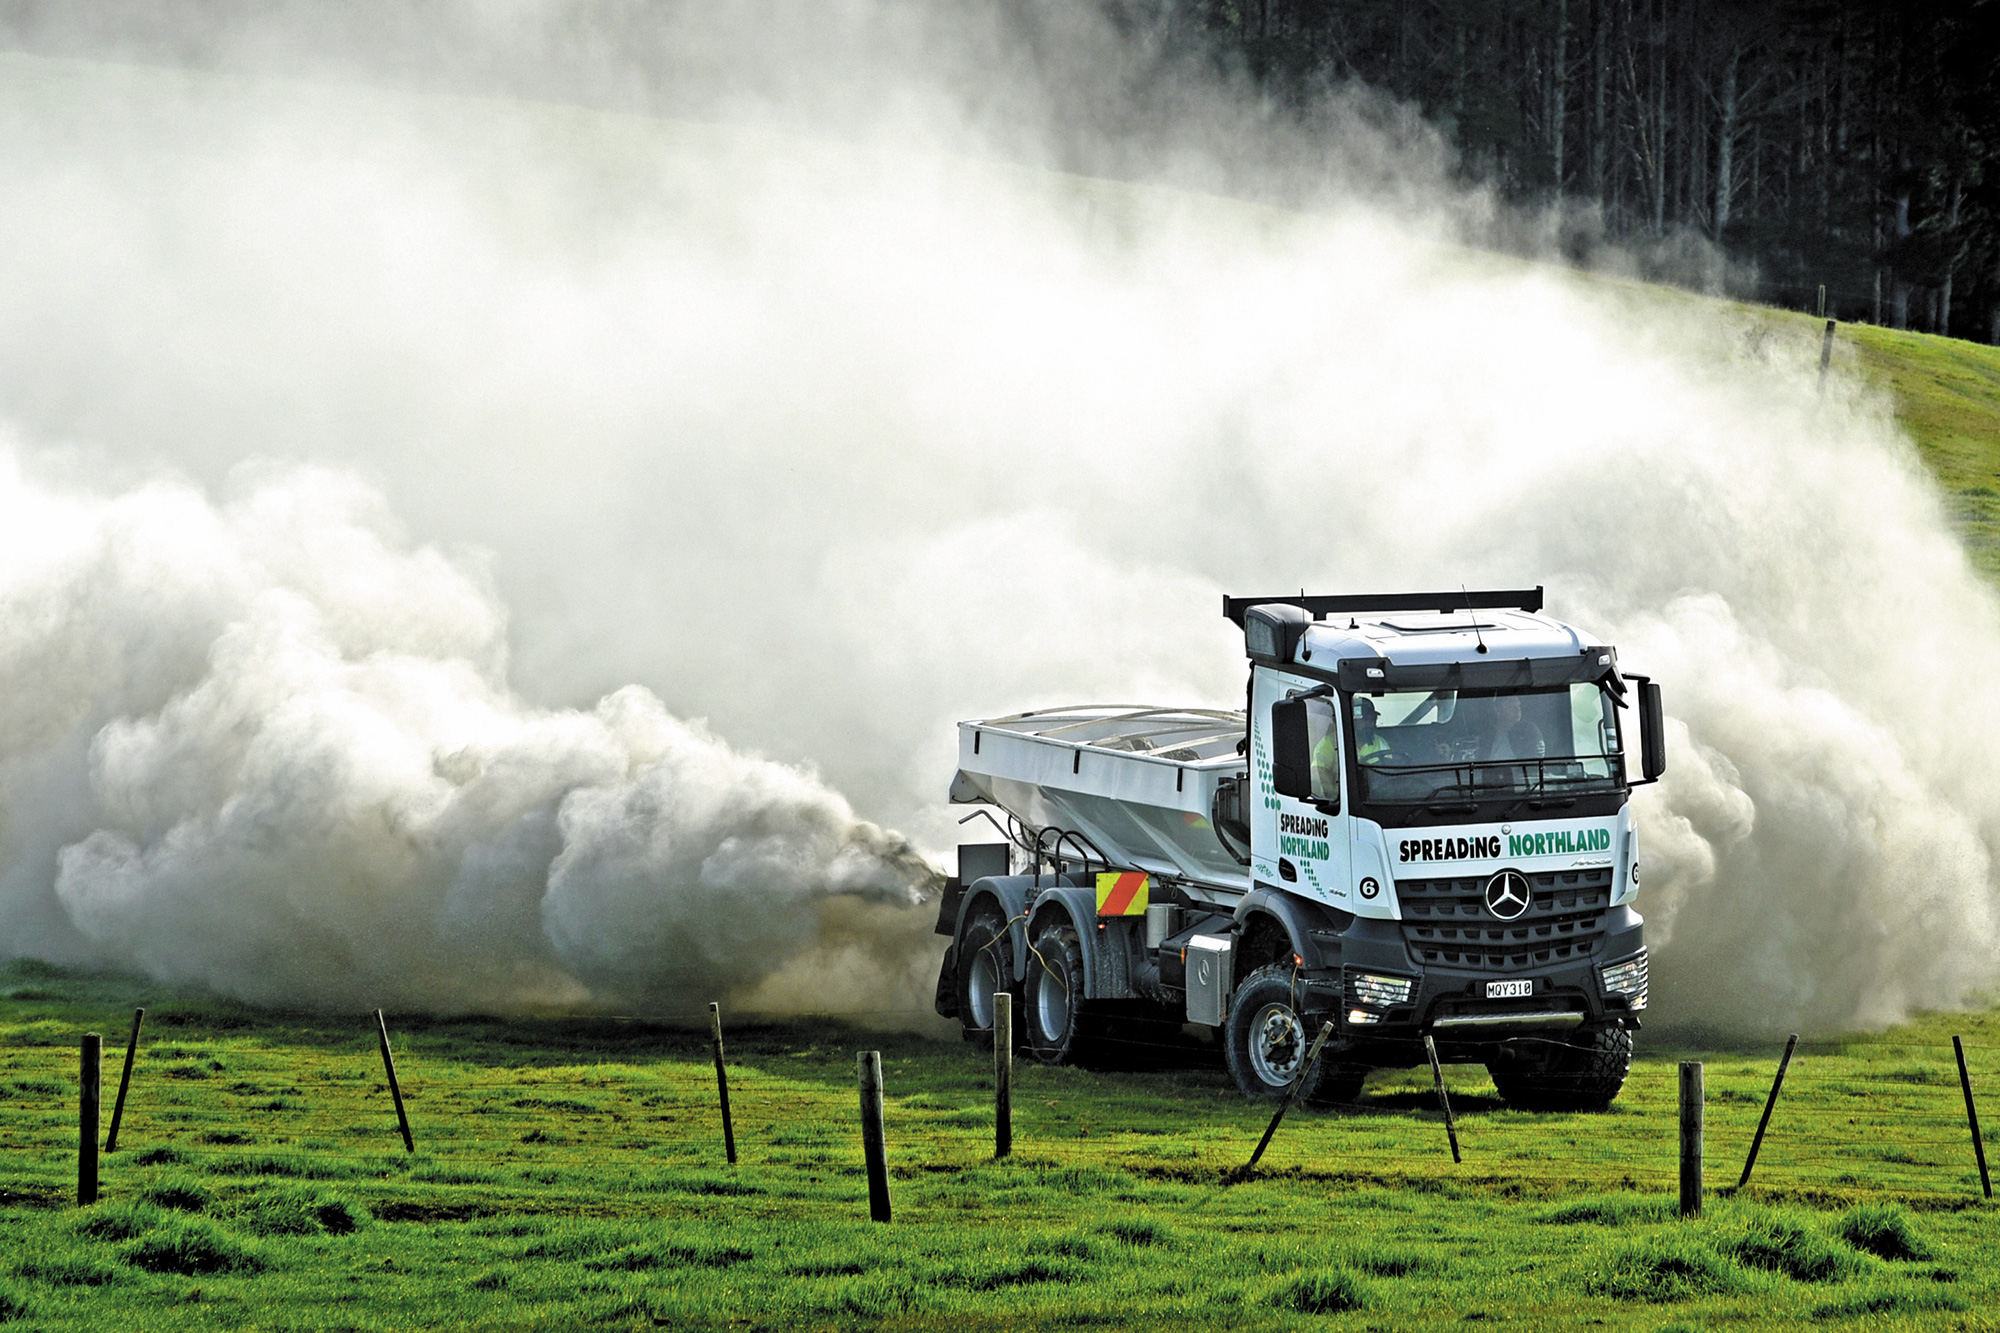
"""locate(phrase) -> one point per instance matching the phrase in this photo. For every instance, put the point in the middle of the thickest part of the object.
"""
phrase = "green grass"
(1946, 396)
(569, 1173)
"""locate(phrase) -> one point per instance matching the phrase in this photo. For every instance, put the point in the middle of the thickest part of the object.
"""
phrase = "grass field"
(570, 1172)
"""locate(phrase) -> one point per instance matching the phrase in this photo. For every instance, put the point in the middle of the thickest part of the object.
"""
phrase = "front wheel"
(1584, 1074)
(1267, 1037)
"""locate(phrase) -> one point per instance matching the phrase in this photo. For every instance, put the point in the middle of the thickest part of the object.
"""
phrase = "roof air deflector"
(1445, 603)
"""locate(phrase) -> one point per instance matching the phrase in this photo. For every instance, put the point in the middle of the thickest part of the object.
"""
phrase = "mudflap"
(946, 1001)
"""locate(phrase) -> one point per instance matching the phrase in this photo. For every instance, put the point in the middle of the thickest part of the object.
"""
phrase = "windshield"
(1422, 746)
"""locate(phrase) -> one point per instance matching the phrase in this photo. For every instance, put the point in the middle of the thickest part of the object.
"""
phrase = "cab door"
(1299, 845)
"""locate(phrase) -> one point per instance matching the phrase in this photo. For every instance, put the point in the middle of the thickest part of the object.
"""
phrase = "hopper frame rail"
(1018, 835)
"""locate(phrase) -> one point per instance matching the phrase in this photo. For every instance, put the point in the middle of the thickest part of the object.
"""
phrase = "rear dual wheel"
(1065, 1028)
(1061, 1027)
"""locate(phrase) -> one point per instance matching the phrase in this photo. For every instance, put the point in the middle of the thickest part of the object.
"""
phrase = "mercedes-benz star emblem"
(1507, 894)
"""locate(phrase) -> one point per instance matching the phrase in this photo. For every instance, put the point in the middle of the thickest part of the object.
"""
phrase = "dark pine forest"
(1853, 144)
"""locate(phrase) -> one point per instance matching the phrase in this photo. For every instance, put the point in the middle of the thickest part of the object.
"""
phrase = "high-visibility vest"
(1326, 766)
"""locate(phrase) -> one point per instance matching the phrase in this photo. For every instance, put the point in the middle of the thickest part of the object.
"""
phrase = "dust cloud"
(395, 463)
(260, 745)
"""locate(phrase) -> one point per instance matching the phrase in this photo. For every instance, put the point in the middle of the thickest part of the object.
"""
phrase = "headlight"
(1627, 977)
(1379, 992)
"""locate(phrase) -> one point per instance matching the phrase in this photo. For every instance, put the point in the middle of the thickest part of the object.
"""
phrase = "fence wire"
(1855, 1118)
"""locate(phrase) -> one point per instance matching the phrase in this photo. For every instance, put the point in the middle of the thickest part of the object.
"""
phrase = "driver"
(1369, 746)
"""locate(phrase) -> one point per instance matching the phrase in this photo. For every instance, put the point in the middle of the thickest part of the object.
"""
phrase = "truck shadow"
(1404, 1103)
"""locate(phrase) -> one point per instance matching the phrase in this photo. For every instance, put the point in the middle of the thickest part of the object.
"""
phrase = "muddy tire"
(985, 968)
(1586, 1074)
(1060, 1029)
(1266, 1037)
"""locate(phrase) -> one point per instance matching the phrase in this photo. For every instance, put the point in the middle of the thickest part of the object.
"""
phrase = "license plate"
(1509, 990)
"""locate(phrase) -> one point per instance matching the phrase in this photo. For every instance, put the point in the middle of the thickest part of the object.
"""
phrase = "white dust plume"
(264, 746)
(834, 442)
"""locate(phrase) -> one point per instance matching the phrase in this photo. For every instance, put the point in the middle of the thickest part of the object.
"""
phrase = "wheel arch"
(1107, 970)
(1007, 895)
(1076, 908)
(1274, 926)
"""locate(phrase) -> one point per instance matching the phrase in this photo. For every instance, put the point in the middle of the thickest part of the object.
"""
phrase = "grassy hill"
(1947, 395)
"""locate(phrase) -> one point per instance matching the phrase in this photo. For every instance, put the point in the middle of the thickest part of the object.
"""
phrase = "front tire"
(1585, 1074)
(985, 969)
(1267, 1037)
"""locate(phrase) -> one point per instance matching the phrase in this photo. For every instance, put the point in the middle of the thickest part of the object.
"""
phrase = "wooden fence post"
(1437, 1073)
(869, 1072)
(1784, 1063)
(395, 1088)
(1972, 1117)
(1691, 1102)
(1003, 1074)
(124, 1081)
(87, 1102)
(721, 1080)
(1825, 354)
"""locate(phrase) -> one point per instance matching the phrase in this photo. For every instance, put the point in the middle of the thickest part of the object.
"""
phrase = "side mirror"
(1652, 731)
(1291, 750)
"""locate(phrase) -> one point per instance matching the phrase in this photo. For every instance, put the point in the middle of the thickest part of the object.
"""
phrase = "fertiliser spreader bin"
(1423, 831)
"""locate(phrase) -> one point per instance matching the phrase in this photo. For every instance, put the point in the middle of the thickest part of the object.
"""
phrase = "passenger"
(1511, 737)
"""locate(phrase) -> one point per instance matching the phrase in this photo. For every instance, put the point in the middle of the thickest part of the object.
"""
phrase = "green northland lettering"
(1310, 849)
(1559, 844)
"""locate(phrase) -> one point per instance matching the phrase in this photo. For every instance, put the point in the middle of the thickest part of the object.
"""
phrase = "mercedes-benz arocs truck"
(1420, 826)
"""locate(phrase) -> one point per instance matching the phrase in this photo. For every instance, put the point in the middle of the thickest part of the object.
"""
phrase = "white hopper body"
(1138, 782)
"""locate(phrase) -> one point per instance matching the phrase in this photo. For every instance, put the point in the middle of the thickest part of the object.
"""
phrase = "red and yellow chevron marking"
(1122, 894)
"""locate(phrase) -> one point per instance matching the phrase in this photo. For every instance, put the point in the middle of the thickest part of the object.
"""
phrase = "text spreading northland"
(1567, 842)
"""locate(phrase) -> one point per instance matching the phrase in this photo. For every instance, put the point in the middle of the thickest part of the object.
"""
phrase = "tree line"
(1843, 143)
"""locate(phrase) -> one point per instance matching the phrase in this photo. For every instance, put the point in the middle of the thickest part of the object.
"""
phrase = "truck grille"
(1446, 924)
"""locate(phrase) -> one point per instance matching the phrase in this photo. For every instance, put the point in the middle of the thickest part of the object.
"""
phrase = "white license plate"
(1509, 990)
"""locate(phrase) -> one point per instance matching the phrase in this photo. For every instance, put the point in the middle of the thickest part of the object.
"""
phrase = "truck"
(1419, 829)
